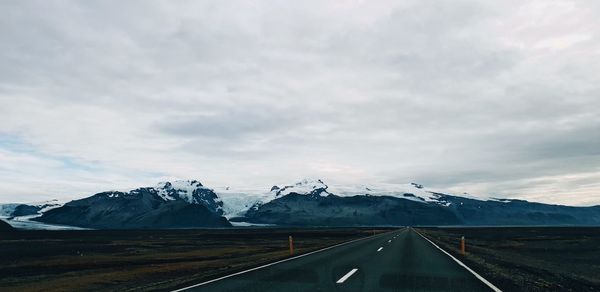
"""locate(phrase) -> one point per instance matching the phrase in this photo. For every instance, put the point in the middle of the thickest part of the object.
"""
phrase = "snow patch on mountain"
(6, 210)
(189, 191)
(25, 222)
(413, 192)
(304, 187)
(49, 205)
(183, 189)
(237, 201)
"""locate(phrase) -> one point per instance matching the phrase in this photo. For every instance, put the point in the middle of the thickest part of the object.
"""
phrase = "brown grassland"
(146, 260)
(528, 258)
(514, 259)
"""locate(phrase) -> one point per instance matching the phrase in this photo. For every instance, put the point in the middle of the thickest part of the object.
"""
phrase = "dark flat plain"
(146, 260)
(514, 259)
(528, 258)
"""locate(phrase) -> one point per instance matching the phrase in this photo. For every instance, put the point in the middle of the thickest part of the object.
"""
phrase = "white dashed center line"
(380, 249)
(345, 277)
(390, 240)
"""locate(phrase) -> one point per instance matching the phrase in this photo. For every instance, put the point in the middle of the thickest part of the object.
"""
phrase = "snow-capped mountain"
(314, 203)
(309, 187)
(21, 215)
(6, 210)
(192, 192)
(238, 202)
(309, 202)
(412, 191)
(29, 209)
(178, 204)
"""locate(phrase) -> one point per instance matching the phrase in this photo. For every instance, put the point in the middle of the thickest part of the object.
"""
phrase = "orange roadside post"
(291, 241)
(462, 245)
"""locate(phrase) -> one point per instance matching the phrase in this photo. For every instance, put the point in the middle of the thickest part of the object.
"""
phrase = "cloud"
(491, 98)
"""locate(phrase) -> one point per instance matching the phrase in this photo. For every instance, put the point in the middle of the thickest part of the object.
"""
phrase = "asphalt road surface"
(396, 261)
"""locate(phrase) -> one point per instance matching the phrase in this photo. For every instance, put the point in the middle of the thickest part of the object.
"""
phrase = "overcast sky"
(495, 98)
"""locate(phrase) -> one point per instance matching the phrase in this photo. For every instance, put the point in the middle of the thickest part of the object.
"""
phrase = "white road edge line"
(482, 279)
(278, 262)
(345, 277)
(380, 249)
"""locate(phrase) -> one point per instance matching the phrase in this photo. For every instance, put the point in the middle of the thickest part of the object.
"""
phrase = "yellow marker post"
(291, 241)
(462, 245)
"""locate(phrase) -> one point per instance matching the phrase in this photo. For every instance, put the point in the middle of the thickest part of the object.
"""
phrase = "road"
(396, 261)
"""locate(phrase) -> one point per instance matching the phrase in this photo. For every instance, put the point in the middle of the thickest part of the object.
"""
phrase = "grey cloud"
(232, 123)
(495, 97)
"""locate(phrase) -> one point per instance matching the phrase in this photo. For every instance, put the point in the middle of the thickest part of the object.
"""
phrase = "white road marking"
(345, 277)
(380, 249)
(278, 262)
(482, 279)
(390, 240)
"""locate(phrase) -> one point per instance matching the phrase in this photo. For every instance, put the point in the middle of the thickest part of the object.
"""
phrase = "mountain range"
(181, 204)
(189, 204)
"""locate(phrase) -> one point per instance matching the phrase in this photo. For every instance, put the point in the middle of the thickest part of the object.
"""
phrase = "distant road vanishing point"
(401, 260)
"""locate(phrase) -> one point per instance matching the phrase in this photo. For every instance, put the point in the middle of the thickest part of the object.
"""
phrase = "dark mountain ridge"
(188, 204)
(331, 210)
(185, 205)
(317, 205)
